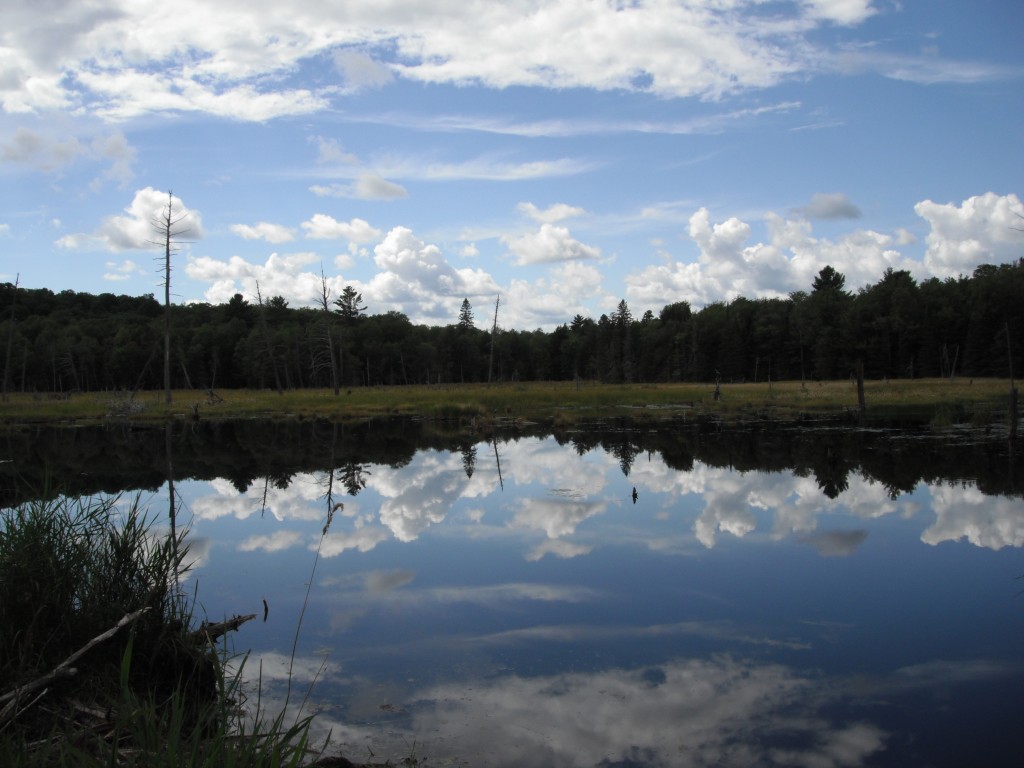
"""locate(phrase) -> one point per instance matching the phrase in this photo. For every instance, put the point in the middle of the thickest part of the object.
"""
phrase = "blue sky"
(564, 155)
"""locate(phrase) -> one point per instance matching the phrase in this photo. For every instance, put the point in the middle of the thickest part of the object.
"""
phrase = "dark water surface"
(777, 594)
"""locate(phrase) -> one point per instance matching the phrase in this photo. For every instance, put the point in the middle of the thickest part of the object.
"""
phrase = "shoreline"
(979, 400)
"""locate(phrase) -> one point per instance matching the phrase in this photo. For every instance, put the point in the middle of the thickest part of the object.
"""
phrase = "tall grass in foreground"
(98, 663)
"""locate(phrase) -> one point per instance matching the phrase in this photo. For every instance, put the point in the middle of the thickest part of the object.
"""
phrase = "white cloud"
(140, 228)
(120, 59)
(728, 267)
(828, 206)
(982, 229)
(415, 278)
(281, 275)
(615, 715)
(40, 150)
(840, 11)
(369, 186)
(993, 522)
(117, 272)
(273, 542)
(361, 70)
(552, 214)
(323, 227)
(549, 244)
(330, 152)
(272, 233)
(556, 518)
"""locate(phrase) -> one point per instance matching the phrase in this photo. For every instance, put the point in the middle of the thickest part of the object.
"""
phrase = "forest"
(897, 328)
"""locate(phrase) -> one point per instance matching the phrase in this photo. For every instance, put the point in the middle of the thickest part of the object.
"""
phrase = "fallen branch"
(10, 699)
(210, 632)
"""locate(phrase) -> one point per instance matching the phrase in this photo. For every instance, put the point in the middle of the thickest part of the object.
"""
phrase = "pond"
(765, 594)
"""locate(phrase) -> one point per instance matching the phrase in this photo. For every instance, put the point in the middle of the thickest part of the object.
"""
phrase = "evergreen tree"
(466, 316)
(350, 304)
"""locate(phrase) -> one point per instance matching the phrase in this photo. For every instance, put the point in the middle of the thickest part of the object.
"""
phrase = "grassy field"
(556, 402)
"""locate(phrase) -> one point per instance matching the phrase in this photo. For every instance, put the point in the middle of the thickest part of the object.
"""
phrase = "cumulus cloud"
(705, 705)
(272, 233)
(323, 227)
(728, 267)
(274, 542)
(549, 244)
(992, 522)
(981, 230)
(117, 272)
(830, 206)
(417, 279)
(280, 275)
(140, 227)
(556, 518)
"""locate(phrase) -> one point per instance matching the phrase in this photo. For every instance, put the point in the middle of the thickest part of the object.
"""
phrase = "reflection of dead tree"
(266, 487)
(497, 460)
(171, 511)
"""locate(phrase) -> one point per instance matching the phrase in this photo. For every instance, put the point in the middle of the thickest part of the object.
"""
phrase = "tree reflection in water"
(779, 594)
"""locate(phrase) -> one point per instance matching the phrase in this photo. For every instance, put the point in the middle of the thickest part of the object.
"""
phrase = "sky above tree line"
(564, 155)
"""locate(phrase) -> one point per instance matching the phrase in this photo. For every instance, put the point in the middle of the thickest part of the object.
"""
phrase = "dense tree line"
(897, 328)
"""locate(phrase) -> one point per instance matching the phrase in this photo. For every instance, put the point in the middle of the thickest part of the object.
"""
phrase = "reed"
(99, 660)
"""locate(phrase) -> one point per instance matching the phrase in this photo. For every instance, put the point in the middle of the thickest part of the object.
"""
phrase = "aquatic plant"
(100, 662)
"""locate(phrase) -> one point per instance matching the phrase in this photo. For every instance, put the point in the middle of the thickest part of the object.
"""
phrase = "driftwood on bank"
(10, 700)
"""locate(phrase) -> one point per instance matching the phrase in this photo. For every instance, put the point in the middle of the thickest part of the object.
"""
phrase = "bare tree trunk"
(494, 332)
(1012, 415)
(10, 338)
(266, 339)
(325, 305)
(167, 311)
(166, 226)
(861, 404)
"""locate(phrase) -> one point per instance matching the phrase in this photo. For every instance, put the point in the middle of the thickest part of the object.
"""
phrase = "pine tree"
(466, 315)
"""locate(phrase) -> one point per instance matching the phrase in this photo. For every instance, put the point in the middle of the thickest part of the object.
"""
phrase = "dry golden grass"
(561, 401)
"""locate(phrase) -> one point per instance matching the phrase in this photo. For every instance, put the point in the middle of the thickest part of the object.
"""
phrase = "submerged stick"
(210, 632)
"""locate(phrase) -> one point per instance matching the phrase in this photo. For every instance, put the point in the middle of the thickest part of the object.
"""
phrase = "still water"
(801, 594)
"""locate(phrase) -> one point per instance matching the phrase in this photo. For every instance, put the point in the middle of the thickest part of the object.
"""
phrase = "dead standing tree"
(10, 337)
(267, 341)
(167, 225)
(324, 299)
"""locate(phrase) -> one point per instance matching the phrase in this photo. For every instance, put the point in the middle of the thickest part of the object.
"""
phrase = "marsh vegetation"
(103, 660)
